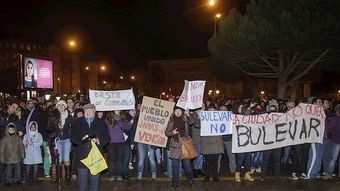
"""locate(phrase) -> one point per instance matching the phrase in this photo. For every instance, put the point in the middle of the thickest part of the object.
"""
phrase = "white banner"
(112, 100)
(192, 95)
(216, 123)
(304, 123)
(153, 120)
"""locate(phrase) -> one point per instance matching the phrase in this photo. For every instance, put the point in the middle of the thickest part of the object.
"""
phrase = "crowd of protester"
(48, 139)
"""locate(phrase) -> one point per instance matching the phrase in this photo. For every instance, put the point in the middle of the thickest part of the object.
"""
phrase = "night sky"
(130, 32)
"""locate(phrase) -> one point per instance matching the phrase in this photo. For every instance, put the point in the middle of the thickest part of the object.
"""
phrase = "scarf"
(89, 120)
(179, 124)
(63, 117)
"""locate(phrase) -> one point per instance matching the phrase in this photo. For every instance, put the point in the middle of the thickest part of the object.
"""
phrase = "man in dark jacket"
(84, 130)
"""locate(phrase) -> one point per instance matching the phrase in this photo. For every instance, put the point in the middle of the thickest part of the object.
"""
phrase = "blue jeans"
(327, 154)
(315, 160)
(335, 154)
(176, 169)
(256, 159)
(286, 154)
(169, 166)
(126, 159)
(198, 162)
(143, 151)
(64, 149)
(231, 156)
(84, 177)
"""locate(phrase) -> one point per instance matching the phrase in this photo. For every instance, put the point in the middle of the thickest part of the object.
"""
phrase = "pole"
(215, 27)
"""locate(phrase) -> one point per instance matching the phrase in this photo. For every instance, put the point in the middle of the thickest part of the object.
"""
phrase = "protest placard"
(192, 95)
(304, 123)
(112, 100)
(153, 119)
(216, 123)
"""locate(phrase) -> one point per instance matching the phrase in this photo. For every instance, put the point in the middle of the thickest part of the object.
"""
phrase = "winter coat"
(212, 145)
(12, 149)
(195, 127)
(80, 128)
(175, 146)
(56, 132)
(334, 129)
(32, 147)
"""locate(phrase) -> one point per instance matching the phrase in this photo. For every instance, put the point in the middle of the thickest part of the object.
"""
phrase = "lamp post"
(216, 17)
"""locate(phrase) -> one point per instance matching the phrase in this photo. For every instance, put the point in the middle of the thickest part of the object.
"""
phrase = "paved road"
(226, 183)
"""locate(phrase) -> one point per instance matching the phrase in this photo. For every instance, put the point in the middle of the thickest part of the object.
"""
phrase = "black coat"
(80, 128)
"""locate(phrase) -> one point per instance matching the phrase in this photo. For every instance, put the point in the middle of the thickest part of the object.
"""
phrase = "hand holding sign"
(175, 131)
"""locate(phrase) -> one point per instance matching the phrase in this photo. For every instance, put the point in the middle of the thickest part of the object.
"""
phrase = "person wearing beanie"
(59, 126)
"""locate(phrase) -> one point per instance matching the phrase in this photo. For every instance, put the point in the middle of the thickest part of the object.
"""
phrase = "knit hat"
(61, 102)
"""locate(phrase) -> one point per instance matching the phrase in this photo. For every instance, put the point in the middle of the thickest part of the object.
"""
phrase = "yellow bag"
(95, 161)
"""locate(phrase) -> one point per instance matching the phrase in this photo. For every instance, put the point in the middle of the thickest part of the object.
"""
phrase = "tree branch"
(264, 59)
(309, 67)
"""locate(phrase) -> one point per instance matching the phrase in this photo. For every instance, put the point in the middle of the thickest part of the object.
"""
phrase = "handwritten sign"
(153, 120)
(216, 123)
(304, 123)
(112, 100)
(192, 95)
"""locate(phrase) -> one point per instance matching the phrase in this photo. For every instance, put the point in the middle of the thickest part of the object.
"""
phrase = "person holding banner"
(212, 146)
(242, 159)
(178, 127)
(116, 126)
(276, 153)
(84, 130)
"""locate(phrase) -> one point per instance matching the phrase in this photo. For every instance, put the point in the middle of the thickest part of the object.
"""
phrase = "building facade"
(166, 78)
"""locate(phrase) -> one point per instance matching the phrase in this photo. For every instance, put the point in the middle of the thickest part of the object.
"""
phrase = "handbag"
(188, 150)
(95, 161)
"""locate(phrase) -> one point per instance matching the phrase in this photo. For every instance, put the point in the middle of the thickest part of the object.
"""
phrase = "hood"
(36, 125)
(6, 130)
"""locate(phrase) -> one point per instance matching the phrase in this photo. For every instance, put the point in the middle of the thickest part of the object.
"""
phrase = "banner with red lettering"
(153, 119)
(192, 95)
(304, 123)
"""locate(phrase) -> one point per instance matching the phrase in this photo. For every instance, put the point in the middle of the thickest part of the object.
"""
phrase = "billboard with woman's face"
(38, 73)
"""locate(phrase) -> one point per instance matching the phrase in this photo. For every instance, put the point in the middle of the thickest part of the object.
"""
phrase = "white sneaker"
(258, 170)
(304, 176)
(252, 170)
(140, 176)
(294, 177)
(153, 177)
(130, 166)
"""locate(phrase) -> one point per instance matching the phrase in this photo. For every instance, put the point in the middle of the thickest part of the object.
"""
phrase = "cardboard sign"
(304, 123)
(216, 123)
(192, 95)
(153, 119)
(112, 100)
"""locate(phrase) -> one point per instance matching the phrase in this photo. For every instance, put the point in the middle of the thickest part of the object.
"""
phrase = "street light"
(103, 68)
(87, 68)
(211, 3)
(71, 43)
(121, 77)
(217, 16)
(132, 77)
